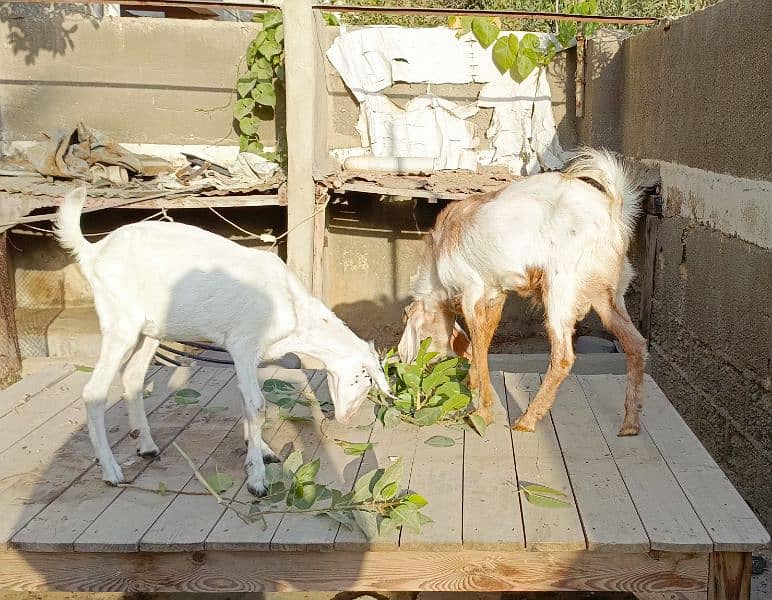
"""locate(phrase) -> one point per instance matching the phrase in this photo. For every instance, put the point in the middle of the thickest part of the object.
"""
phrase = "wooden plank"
(438, 475)
(186, 523)
(29, 415)
(538, 460)
(729, 521)
(337, 470)
(492, 518)
(121, 525)
(374, 188)
(37, 469)
(729, 576)
(669, 519)
(472, 571)
(230, 532)
(586, 364)
(388, 444)
(57, 527)
(20, 393)
(609, 518)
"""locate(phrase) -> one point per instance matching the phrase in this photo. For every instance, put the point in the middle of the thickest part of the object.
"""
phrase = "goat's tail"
(614, 178)
(67, 225)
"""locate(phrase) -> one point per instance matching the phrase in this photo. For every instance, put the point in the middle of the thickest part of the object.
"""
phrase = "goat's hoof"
(148, 449)
(519, 425)
(270, 457)
(626, 430)
(111, 472)
(258, 490)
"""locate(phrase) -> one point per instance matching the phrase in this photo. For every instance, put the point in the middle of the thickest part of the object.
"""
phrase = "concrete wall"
(145, 80)
(693, 98)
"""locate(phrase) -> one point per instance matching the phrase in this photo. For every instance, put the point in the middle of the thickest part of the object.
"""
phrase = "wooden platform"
(649, 514)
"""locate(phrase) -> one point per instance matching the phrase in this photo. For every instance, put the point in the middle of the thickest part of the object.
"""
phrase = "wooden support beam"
(301, 65)
(10, 356)
(647, 286)
(729, 576)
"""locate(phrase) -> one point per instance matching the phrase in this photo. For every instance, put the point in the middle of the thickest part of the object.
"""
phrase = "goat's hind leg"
(615, 318)
(258, 452)
(133, 391)
(116, 347)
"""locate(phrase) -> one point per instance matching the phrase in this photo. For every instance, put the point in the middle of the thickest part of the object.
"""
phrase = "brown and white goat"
(560, 238)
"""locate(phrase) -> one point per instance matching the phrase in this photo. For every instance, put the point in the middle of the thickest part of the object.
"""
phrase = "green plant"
(260, 88)
(567, 30)
(426, 392)
(375, 504)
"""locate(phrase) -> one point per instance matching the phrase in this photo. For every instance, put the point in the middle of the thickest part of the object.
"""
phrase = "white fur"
(154, 281)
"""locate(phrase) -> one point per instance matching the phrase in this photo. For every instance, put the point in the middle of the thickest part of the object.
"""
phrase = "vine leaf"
(485, 30)
(243, 107)
(478, 424)
(265, 94)
(505, 52)
(186, 396)
(441, 441)
(219, 482)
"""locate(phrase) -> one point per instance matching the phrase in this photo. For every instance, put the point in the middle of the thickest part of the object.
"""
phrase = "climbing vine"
(261, 86)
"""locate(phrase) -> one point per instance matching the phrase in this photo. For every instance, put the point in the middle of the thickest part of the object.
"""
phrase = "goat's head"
(351, 377)
(424, 318)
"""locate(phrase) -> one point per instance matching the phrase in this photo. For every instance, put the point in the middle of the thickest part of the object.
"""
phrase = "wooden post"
(729, 576)
(320, 238)
(10, 356)
(300, 50)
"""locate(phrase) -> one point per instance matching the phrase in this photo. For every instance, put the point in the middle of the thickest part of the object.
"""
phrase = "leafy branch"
(259, 88)
(426, 392)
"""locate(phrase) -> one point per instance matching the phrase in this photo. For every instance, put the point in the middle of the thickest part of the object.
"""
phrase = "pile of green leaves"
(259, 88)
(426, 392)
(375, 504)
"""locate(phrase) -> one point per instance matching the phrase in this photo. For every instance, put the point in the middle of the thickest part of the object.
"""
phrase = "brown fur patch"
(445, 236)
(535, 283)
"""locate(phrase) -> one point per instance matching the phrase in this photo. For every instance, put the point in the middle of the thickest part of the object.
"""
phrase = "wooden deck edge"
(397, 571)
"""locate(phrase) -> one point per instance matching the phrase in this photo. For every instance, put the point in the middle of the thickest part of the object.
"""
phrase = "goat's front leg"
(483, 319)
(114, 351)
(258, 452)
(561, 318)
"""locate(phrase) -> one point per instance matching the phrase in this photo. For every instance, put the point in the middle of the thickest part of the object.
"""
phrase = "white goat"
(561, 237)
(156, 280)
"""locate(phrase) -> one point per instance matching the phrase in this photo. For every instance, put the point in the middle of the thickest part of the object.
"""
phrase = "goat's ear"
(408, 344)
(459, 341)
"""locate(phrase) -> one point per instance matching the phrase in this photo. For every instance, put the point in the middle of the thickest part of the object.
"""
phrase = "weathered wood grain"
(438, 475)
(230, 532)
(729, 521)
(21, 392)
(123, 523)
(665, 512)
(611, 523)
(538, 460)
(65, 518)
(729, 576)
(492, 519)
(482, 571)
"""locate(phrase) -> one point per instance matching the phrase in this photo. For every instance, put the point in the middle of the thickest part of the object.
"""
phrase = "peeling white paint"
(733, 205)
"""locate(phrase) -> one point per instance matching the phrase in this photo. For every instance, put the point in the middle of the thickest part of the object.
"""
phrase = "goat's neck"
(319, 334)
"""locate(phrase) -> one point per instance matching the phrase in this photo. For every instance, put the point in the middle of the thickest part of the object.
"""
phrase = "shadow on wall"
(26, 34)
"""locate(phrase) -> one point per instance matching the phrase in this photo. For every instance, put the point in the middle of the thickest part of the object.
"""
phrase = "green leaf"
(270, 385)
(389, 491)
(428, 416)
(304, 495)
(416, 499)
(442, 441)
(245, 84)
(364, 485)
(391, 418)
(505, 52)
(187, 396)
(445, 365)
(404, 402)
(411, 375)
(545, 501)
(162, 489)
(214, 409)
(269, 48)
(264, 94)
(219, 482)
(279, 35)
(457, 402)
(462, 24)
(386, 526)
(391, 475)
(293, 462)
(146, 394)
(367, 522)
(84, 369)
(543, 489)
(522, 67)
(485, 30)
(529, 40)
(306, 473)
(271, 19)
(273, 473)
(286, 416)
(432, 380)
(243, 107)
(248, 125)
(343, 518)
(478, 424)
(330, 19)
(407, 515)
